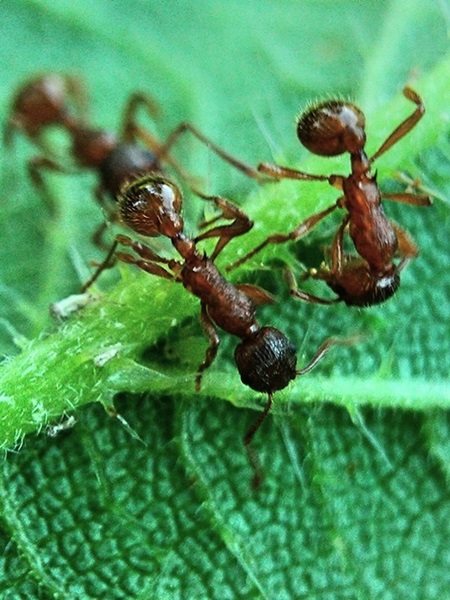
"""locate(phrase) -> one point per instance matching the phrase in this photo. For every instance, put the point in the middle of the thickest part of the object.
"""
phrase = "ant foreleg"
(404, 127)
(145, 265)
(213, 346)
(97, 236)
(278, 172)
(144, 251)
(240, 225)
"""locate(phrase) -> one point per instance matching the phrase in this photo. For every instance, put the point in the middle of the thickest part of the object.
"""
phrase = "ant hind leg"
(213, 346)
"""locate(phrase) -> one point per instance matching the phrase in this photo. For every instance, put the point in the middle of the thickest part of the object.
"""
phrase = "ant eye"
(332, 128)
(266, 362)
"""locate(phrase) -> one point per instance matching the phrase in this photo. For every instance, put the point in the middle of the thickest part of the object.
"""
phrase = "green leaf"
(156, 503)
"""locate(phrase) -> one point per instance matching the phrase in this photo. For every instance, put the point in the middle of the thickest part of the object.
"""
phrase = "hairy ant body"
(370, 277)
(265, 358)
(48, 100)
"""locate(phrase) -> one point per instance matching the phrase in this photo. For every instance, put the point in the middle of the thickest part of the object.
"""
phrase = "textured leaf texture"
(118, 480)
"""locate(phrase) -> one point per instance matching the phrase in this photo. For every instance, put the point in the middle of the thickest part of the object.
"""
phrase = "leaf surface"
(157, 503)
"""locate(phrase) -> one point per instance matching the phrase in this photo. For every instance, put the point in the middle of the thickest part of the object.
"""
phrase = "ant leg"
(213, 346)
(337, 247)
(256, 293)
(404, 127)
(135, 101)
(154, 146)
(36, 166)
(10, 129)
(247, 440)
(278, 172)
(280, 238)
(323, 349)
(145, 265)
(186, 127)
(145, 252)
(414, 185)
(106, 263)
(305, 296)
(406, 249)
(409, 198)
(240, 225)
(112, 216)
(97, 236)
(146, 262)
(42, 163)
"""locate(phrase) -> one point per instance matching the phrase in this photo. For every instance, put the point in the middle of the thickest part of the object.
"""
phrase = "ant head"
(266, 362)
(332, 128)
(151, 206)
(357, 286)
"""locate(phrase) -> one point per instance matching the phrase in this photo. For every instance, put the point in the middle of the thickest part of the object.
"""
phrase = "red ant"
(330, 129)
(47, 101)
(265, 358)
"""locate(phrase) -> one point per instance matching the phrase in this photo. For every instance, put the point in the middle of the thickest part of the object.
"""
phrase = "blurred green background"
(355, 504)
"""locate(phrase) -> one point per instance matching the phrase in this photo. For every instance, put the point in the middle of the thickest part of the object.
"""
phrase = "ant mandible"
(330, 129)
(265, 358)
(47, 100)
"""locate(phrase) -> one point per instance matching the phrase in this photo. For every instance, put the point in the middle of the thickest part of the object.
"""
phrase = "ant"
(370, 277)
(47, 101)
(266, 360)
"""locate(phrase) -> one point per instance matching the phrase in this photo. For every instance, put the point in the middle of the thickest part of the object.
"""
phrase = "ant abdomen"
(356, 286)
(124, 162)
(332, 128)
(267, 361)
